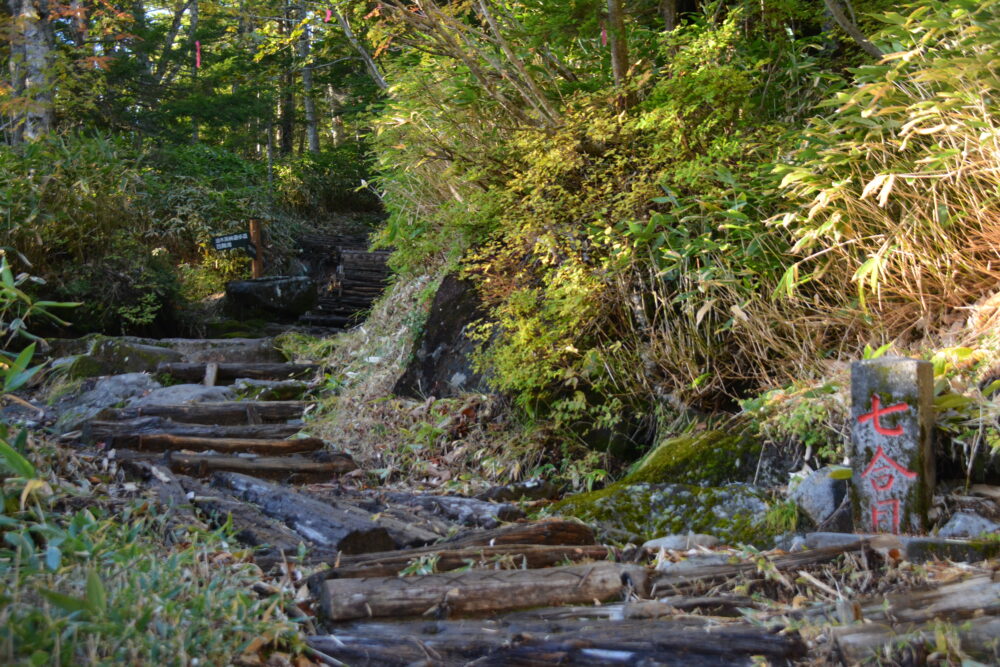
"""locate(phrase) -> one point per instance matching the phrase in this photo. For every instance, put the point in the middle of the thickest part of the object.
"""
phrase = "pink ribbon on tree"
(197, 55)
(329, 15)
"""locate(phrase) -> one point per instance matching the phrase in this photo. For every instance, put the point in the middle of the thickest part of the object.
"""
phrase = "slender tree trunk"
(286, 124)
(619, 49)
(848, 26)
(312, 123)
(370, 64)
(195, 135)
(16, 65)
(668, 10)
(333, 104)
(36, 46)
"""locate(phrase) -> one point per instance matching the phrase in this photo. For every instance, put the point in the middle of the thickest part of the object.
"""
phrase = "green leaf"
(840, 472)
(951, 401)
(53, 557)
(64, 602)
(97, 597)
(15, 462)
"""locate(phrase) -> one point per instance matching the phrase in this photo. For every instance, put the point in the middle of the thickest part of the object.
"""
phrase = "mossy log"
(222, 412)
(475, 591)
(228, 372)
(547, 531)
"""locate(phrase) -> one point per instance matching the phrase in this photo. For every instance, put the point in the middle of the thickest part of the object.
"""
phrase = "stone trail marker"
(892, 416)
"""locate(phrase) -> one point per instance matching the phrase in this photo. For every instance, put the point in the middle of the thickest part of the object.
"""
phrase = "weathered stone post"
(892, 416)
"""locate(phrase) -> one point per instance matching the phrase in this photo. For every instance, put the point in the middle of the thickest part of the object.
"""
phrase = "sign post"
(249, 241)
(892, 422)
(258, 257)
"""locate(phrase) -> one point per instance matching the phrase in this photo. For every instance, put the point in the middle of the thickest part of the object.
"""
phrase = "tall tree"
(619, 48)
(31, 51)
(308, 102)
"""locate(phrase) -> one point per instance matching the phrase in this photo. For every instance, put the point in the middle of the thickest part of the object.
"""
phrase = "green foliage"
(327, 183)
(892, 187)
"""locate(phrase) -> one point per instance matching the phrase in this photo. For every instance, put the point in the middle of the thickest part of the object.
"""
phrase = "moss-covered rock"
(97, 355)
(709, 458)
(627, 512)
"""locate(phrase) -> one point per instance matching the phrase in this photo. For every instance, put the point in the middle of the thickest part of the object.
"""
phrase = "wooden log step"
(547, 531)
(322, 320)
(230, 372)
(522, 556)
(291, 469)
(475, 591)
(688, 641)
(222, 412)
(666, 582)
(162, 442)
(126, 433)
(327, 526)
(252, 527)
(469, 511)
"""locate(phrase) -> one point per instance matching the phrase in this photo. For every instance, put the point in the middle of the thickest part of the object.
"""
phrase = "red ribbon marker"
(329, 15)
(604, 36)
(197, 55)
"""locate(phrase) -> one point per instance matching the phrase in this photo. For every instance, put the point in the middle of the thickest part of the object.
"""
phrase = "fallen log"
(546, 531)
(292, 469)
(468, 511)
(222, 412)
(976, 638)
(251, 526)
(690, 578)
(228, 372)
(323, 524)
(126, 433)
(161, 442)
(680, 641)
(516, 556)
(474, 591)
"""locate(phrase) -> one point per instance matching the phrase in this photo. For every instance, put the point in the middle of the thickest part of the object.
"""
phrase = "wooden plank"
(228, 372)
(222, 412)
(977, 638)
(126, 433)
(291, 469)
(469, 511)
(474, 591)
(523, 556)
(323, 524)
(160, 442)
(546, 531)
(211, 374)
(689, 641)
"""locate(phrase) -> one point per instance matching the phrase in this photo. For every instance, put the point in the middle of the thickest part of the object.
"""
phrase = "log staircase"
(354, 279)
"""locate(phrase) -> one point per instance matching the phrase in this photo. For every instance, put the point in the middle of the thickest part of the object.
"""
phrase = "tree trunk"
(126, 434)
(286, 126)
(312, 122)
(370, 65)
(195, 57)
(161, 442)
(16, 67)
(668, 10)
(36, 37)
(619, 50)
(323, 467)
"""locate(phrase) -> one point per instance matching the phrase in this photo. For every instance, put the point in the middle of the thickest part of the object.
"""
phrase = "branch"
(833, 6)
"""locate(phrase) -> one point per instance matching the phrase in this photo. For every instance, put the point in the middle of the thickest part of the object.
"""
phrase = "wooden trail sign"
(892, 422)
(250, 241)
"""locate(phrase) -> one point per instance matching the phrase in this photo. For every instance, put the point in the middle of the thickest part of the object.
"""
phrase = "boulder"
(104, 355)
(819, 495)
(441, 364)
(275, 296)
(710, 458)
(179, 394)
(968, 524)
(623, 512)
(74, 409)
